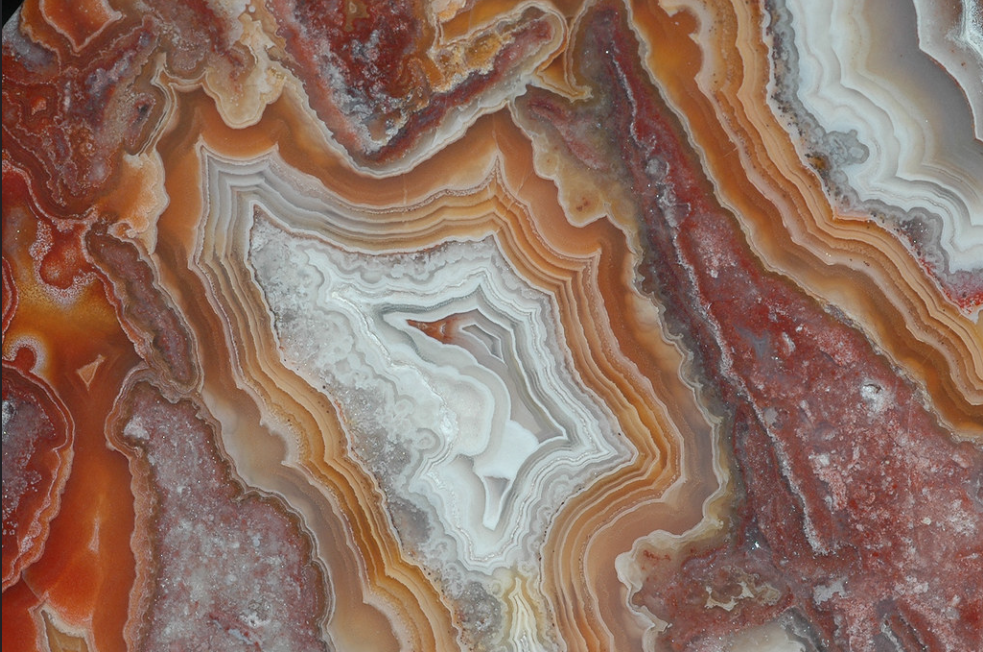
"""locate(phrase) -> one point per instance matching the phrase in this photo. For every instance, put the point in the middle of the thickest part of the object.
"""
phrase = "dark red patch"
(858, 517)
(69, 118)
(37, 439)
(367, 70)
(153, 325)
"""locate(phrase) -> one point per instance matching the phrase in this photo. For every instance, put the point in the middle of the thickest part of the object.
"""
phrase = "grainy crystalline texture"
(586, 326)
(255, 590)
(36, 456)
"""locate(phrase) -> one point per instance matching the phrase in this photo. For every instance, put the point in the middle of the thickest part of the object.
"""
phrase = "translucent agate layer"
(478, 326)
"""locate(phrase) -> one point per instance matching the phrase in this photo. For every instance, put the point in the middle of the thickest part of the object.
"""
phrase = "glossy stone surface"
(482, 326)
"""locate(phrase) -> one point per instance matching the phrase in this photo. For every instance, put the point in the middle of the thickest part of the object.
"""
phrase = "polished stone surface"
(478, 325)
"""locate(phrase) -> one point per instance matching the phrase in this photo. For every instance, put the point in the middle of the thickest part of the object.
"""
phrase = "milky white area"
(861, 72)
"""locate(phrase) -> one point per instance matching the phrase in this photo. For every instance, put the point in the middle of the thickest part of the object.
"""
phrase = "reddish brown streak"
(803, 394)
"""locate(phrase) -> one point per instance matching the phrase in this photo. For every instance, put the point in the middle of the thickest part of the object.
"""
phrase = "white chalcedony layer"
(952, 34)
(863, 71)
(475, 439)
(489, 436)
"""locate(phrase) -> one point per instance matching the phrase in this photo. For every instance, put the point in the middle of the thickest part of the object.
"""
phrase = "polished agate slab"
(492, 326)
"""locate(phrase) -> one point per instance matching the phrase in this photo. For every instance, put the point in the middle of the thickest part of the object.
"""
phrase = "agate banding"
(472, 326)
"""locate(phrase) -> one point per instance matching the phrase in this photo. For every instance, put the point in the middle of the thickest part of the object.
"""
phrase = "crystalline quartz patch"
(455, 431)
